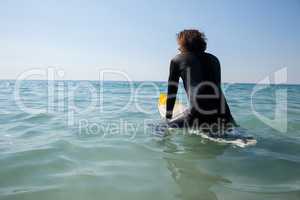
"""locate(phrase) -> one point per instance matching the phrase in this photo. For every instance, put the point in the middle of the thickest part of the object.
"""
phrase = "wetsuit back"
(201, 77)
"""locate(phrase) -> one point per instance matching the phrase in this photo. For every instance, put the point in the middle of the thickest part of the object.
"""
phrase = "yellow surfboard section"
(178, 108)
(163, 99)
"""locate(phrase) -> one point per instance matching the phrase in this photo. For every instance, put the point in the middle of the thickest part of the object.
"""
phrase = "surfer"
(201, 76)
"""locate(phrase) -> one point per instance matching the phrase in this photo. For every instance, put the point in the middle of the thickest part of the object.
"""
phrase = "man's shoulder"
(211, 56)
(179, 57)
(183, 57)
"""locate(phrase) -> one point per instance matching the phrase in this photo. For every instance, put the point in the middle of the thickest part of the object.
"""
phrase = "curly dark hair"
(191, 40)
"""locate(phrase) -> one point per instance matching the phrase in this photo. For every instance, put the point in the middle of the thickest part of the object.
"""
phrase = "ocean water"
(91, 140)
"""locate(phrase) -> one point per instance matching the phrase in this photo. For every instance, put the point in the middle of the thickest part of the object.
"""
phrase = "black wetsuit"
(201, 77)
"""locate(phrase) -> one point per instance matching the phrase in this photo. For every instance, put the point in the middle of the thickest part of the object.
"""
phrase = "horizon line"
(93, 80)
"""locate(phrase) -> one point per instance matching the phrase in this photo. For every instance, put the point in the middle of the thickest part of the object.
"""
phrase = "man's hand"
(169, 115)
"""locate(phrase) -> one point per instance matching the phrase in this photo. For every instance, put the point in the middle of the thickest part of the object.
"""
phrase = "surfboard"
(234, 136)
(178, 109)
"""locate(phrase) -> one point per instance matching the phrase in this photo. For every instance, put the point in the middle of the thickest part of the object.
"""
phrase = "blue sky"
(252, 39)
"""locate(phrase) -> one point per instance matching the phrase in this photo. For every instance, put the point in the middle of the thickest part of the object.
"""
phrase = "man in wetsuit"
(201, 75)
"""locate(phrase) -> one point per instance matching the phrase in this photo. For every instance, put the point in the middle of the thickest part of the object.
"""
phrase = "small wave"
(17, 128)
(278, 188)
(38, 118)
(12, 191)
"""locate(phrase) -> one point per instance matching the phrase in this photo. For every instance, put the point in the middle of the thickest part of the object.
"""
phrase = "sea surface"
(92, 140)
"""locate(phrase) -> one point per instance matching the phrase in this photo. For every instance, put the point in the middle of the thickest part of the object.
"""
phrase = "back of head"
(191, 40)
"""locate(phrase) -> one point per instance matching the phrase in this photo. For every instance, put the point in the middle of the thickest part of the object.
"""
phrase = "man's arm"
(172, 89)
